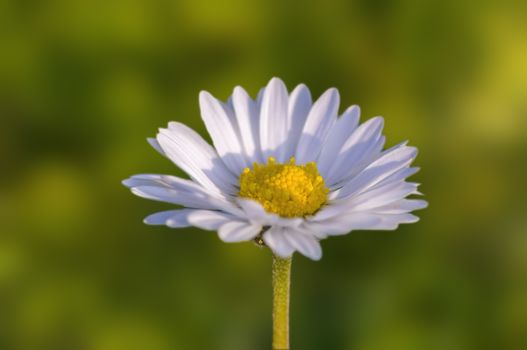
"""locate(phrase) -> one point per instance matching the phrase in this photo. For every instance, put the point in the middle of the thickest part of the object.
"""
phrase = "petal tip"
(276, 83)
(147, 221)
(275, 80)
(239, 91)
(355, 109)
(316, 257)
(205, 96)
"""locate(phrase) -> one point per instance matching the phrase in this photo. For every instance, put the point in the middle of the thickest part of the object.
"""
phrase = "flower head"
(283, 170)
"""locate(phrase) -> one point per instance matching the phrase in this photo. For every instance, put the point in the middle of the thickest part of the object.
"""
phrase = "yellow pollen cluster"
(288, 190)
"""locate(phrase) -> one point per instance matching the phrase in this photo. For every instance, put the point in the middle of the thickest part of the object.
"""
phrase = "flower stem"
(281, 283)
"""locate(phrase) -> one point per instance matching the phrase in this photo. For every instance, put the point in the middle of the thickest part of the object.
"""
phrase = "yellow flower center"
(288, 190)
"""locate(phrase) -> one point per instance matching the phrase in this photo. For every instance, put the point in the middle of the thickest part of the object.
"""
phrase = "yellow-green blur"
(83, 83)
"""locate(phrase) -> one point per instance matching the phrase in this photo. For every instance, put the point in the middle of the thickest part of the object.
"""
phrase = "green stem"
(281, 283)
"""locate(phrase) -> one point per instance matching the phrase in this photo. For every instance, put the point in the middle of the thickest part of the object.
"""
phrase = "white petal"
(330, 209)
(177, 218)
(237, 231)
(340, 132)
(142, 180)
(208, 219)
(390, 162)
(391, 222)
(257, 214)
(222, 128)
(159, 218)
(259, 99)
(298, 109)
(398, 176)
(153, 142)
(187, 199)
(175, 190)
(319, 122)
(197, 158)
(305, 243)
(402, 206)
(359, 149)
(247, 116)
(178, 221)
(167, 181)
(361, 221)
(343, 224)
(273, 120)
(387, 196)
(381, 196)
(275, 239)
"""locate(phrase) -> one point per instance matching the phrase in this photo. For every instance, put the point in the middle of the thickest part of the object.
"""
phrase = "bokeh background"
(83, 83)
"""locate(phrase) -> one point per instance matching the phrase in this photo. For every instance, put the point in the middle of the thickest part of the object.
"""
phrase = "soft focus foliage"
(83, 83)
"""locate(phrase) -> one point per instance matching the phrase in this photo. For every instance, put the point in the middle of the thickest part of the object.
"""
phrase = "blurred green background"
(83, 83)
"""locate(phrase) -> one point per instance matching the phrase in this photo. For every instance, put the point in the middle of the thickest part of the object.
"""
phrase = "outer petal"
(153, 142)
(402, 206)
(197, 158)
(167, 181)
(392, 222)
(172, 189)
(339, 133)
(332, 208)
(209, 219)
(397, 177)
(185, 199)
(382, 195)
(390, 168)
(247, 116)
(259, 99)
(304, 242)
(273, 120)
(224, 132)
(256, 213)
(319, 122)
(172, 218)
(237, 231)
(390, 162)
(299, 105)
(275, 239)
(283, 241)
(358, 151)
(343, 224)
(385, 197)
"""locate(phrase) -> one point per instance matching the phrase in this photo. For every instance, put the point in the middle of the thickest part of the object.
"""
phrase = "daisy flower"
(283, 171)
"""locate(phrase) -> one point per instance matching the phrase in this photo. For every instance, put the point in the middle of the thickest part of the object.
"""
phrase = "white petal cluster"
(368, 187)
